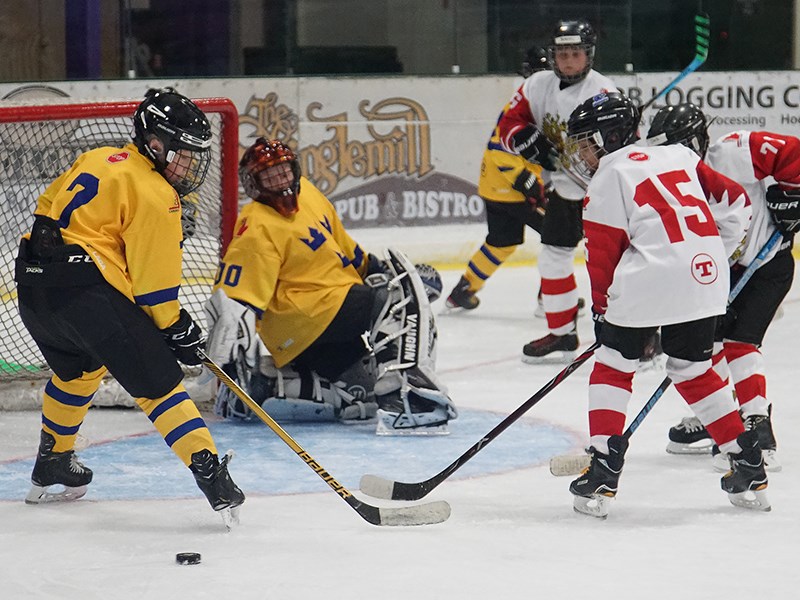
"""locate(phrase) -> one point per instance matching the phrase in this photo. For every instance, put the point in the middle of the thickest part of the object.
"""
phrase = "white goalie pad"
(232, 332)
(411, 398)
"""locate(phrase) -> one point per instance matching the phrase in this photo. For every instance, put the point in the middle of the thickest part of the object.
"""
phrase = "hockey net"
(38, 141)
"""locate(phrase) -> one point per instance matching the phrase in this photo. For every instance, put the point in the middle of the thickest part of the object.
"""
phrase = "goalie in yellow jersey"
(98, 279)
(314, 328)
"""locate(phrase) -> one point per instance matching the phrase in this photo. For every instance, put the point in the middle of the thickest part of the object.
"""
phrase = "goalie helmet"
(270, 173)
(600, 125)
(681, 124)
(535, 60)
(573, 34)
(184, 132)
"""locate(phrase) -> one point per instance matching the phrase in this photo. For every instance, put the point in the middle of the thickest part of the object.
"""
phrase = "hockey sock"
(610, 387)
(484, 263)
(177, 419)
(65, 406)
(559, 288)
(746, 364)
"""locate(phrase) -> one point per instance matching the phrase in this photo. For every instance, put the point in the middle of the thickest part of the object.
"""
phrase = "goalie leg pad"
(419, 406)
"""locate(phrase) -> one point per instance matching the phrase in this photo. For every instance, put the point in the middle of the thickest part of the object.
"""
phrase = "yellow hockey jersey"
(294, 272)
(499, 170)
(128, 219)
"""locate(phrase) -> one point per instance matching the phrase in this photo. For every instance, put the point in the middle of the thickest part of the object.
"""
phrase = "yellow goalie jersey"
(294, 272)
(500, 169)
(128, 219)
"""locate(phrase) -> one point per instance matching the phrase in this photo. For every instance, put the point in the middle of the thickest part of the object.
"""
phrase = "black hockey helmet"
(680, 124)
(573, 34)
(265, 184)
(600, 125)
(535, 60)
(184, 131)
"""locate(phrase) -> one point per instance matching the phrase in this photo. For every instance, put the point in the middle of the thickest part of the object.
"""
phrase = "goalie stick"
(378, 487)
(572, 464)
(702, 31)
(423, 514)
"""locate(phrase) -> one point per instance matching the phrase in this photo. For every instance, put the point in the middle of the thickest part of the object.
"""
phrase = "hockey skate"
(762, 425)
(551, 349)
(597, 485)
(57, 469)
(213, 479)
(689, 437)
(746, 482)
(462, 297)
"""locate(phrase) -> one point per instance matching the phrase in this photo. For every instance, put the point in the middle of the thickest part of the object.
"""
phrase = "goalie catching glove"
(185, 338)
(784, 206)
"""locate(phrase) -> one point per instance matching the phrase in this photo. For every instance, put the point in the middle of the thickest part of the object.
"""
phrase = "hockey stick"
(702, 33)
(379, 487)
(572, 464)
(424, 514)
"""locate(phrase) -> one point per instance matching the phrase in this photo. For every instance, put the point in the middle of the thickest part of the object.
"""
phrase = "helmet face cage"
(600, 125)
(681, 124)
(184, 131)
(572, 35)
(264, 177)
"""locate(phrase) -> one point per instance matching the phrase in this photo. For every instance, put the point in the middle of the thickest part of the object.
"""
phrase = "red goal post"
(39, 139)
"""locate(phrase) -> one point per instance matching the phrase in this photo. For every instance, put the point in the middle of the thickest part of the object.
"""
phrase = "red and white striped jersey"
(756, 160)
(655, 254)
(541, 101)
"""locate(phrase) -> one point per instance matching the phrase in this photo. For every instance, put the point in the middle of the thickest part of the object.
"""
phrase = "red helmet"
(263, 182)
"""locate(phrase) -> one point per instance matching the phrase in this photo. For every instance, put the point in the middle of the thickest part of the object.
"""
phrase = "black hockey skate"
(213, 479)
(746, 482)
(762, 425)
(598, 484)
(462, 297)
(57, 468)
(551, 349)
(689, 437)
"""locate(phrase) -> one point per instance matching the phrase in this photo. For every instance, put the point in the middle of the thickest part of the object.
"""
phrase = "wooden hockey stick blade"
(379, 487)
(423, 514)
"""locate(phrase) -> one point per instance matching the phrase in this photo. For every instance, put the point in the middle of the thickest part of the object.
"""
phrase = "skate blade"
(569, 464)
(230, 517)
(44, 495)
(594, 506)
(771, 462)
(698, 447)
(559, 357)
(751, 499)
(387, 430)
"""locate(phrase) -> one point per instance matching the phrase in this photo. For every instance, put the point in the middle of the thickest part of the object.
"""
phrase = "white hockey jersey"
(541, 101)
(756, 160)
(655, 254)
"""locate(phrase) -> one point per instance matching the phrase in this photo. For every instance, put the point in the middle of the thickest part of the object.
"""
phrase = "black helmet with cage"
(600, 125)
(573, 34)
(535, 60)
(680, 124)
(184, 152)
(265, 180)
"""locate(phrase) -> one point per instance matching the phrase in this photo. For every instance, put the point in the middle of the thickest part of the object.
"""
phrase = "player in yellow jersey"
(314, 297)
(513, 192)
(98, 279)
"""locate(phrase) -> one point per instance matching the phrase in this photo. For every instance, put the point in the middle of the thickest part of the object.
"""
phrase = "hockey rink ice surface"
(671, 532)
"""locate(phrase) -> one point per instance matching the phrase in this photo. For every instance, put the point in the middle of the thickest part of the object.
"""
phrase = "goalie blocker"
(394, 382)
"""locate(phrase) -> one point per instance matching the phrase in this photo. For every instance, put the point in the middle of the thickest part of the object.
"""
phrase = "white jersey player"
(767, 165)
(534, 126)
(656, 258)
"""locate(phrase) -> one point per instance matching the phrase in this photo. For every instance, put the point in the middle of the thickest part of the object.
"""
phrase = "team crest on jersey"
(638, 156)
(704, 269)
(242, 228)
(118, 157)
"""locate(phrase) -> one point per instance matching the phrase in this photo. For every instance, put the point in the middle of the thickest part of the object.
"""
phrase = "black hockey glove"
(784, 205)
(375, 265)
(531, 144)
(599, 321)
(528, 184)
(185, 338)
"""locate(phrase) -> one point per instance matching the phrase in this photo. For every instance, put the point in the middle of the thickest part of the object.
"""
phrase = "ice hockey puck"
(187, 558)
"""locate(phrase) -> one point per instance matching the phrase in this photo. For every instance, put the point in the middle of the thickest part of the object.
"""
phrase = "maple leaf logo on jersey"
(118, 157)
(638, 156)
(242, 228)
